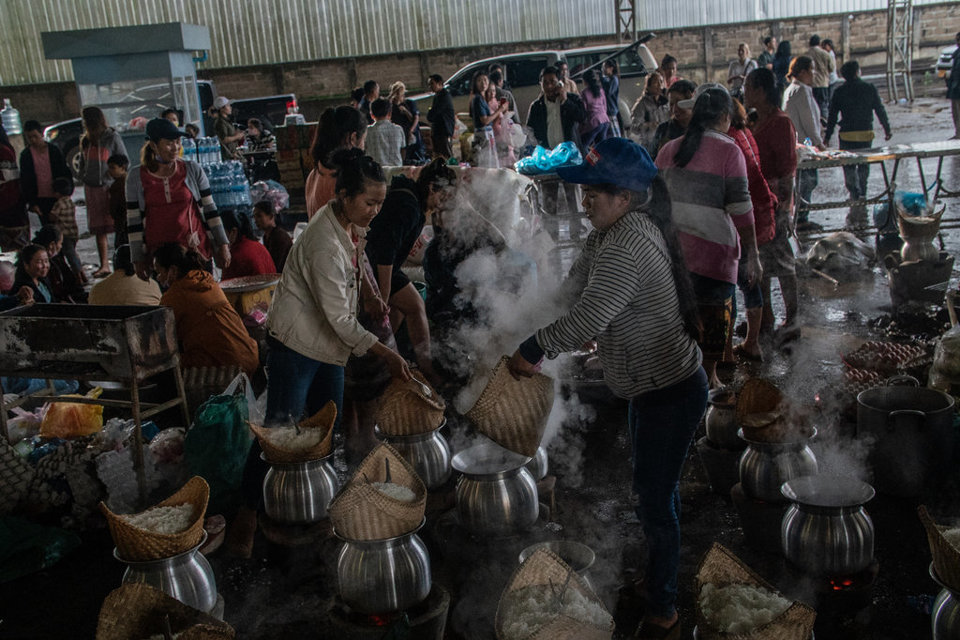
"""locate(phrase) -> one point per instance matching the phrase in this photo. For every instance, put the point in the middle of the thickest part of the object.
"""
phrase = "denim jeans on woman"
(297, 387)
(662, 424)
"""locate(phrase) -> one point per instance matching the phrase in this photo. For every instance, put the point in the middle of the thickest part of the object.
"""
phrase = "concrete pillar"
(845, 35)
(707, 54)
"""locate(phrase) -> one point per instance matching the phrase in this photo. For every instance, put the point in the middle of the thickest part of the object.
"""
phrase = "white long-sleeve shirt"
(798, 103)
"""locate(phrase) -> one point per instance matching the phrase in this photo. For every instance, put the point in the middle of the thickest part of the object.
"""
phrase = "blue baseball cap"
(616, 161)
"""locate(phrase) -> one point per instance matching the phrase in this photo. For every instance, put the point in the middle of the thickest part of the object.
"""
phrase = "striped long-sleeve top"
(169, 229)
(620, 291)
(710, 201)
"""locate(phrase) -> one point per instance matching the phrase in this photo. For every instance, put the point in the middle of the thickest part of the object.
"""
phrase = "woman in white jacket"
(799, 104)
(313, 326)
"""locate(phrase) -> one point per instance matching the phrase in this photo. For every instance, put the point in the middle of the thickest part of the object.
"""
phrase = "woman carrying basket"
(630, 291)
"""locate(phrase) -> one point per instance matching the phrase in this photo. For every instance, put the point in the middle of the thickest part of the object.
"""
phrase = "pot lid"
(827, 490)
(486, 459)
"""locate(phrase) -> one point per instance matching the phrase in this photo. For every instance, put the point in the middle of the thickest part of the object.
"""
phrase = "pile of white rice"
(953, 537)
(739, 608)
(395, 491)
(163, 519)
(288, 438)
(529, 609)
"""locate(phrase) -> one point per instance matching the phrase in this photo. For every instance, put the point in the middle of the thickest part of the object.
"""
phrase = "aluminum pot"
(496, 495)
(765, 466)
(945, 614)
(428, 452)
(299, 492)
(379, 576)
(539, 465)
(826, 531)
(912, 433)
(577, 555)
(721, 420)
(186, 576)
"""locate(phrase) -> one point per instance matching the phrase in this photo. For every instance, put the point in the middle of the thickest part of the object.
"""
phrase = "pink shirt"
(41, 167)
(710, 200)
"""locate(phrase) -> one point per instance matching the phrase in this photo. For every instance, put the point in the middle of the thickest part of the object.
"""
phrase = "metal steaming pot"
(826, 531)
(765, 466)
(379, 576)
(496, 495)
(945, 615)
(429, 454)
(187, 577)
(912, 428)
(299, 492)
(539, 465)
(721, 420)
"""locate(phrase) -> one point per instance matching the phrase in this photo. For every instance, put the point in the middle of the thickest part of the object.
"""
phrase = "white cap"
(220, 103)
(689, 102)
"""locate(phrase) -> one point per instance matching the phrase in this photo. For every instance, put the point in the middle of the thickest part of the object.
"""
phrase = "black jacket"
(28, 174)
(953, 83)
(572, 113)
(857, 101)
(441, 114)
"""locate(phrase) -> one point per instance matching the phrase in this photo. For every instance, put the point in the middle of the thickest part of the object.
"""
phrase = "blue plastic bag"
(913, 204)
(565, 154)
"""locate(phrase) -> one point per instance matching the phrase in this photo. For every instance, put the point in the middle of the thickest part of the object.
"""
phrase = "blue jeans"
(662, 424)
(297, 386)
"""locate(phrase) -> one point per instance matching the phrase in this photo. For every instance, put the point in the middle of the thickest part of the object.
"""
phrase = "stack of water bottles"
(228, 182)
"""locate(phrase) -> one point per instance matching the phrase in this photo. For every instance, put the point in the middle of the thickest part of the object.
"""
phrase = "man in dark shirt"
(856, 101)
(371, 91)
(555, 117)
(442, 117)
(953, 89)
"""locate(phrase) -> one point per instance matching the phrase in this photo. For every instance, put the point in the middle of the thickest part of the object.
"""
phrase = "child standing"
(275, 239)
(117, 168)
(63, 215)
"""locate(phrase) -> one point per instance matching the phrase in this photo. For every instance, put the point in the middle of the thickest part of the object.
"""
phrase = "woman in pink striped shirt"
(707, 178)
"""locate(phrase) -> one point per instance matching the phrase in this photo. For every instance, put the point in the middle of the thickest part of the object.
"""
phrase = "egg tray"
(886, 358)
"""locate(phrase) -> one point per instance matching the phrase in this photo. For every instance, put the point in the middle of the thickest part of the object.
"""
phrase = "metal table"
(125, 344)
(881, 155)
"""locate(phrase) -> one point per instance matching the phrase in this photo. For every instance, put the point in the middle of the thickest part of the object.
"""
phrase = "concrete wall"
(703, 52)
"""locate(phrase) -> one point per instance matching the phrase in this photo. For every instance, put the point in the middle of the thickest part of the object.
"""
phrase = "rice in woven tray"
(953, 537)
(395, 491)
(739, 608)
(294, 439)
(528, 609)
(163, 519)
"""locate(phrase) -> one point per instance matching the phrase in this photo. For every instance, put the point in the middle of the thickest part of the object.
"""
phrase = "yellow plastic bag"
(71, 419)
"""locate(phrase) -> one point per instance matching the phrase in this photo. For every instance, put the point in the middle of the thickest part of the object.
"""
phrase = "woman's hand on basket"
(520, 366)
(397, 365)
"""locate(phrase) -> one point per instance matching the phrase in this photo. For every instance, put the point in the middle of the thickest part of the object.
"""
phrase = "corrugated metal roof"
(258, 32)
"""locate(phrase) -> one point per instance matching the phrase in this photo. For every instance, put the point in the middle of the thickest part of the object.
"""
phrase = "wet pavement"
(286, 593)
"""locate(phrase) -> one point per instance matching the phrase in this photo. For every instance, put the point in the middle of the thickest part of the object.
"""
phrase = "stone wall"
(703, 52)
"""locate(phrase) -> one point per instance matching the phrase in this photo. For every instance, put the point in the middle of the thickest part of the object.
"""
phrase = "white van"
(522, 76)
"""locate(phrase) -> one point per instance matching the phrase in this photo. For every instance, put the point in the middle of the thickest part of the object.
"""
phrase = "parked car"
(522, 71)
(153, 99)
(945, 61)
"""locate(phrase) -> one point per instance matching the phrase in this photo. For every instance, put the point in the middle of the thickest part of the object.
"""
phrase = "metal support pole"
(626, 12)
(899, 48)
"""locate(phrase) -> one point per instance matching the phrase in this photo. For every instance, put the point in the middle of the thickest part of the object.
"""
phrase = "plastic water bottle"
(189, 148)
(10, 118)
(208, 150)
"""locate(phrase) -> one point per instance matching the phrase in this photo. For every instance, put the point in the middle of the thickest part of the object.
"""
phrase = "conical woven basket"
(946, 557)
(138, 610)
(757, 397)
(721, 567)
(138, 545)
(322, 419)
(545, 569)
(406, 411)
(513, 413)
(361, 512)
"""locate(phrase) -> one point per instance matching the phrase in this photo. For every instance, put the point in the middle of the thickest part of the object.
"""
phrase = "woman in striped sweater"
(629, 290)
(707, 178)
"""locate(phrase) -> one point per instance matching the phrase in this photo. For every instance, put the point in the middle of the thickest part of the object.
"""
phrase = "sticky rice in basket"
(310, 439)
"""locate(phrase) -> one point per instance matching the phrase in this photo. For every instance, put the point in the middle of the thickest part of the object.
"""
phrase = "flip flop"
(743, 354)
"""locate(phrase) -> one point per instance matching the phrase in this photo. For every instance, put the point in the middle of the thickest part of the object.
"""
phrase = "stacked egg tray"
(869, 366)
